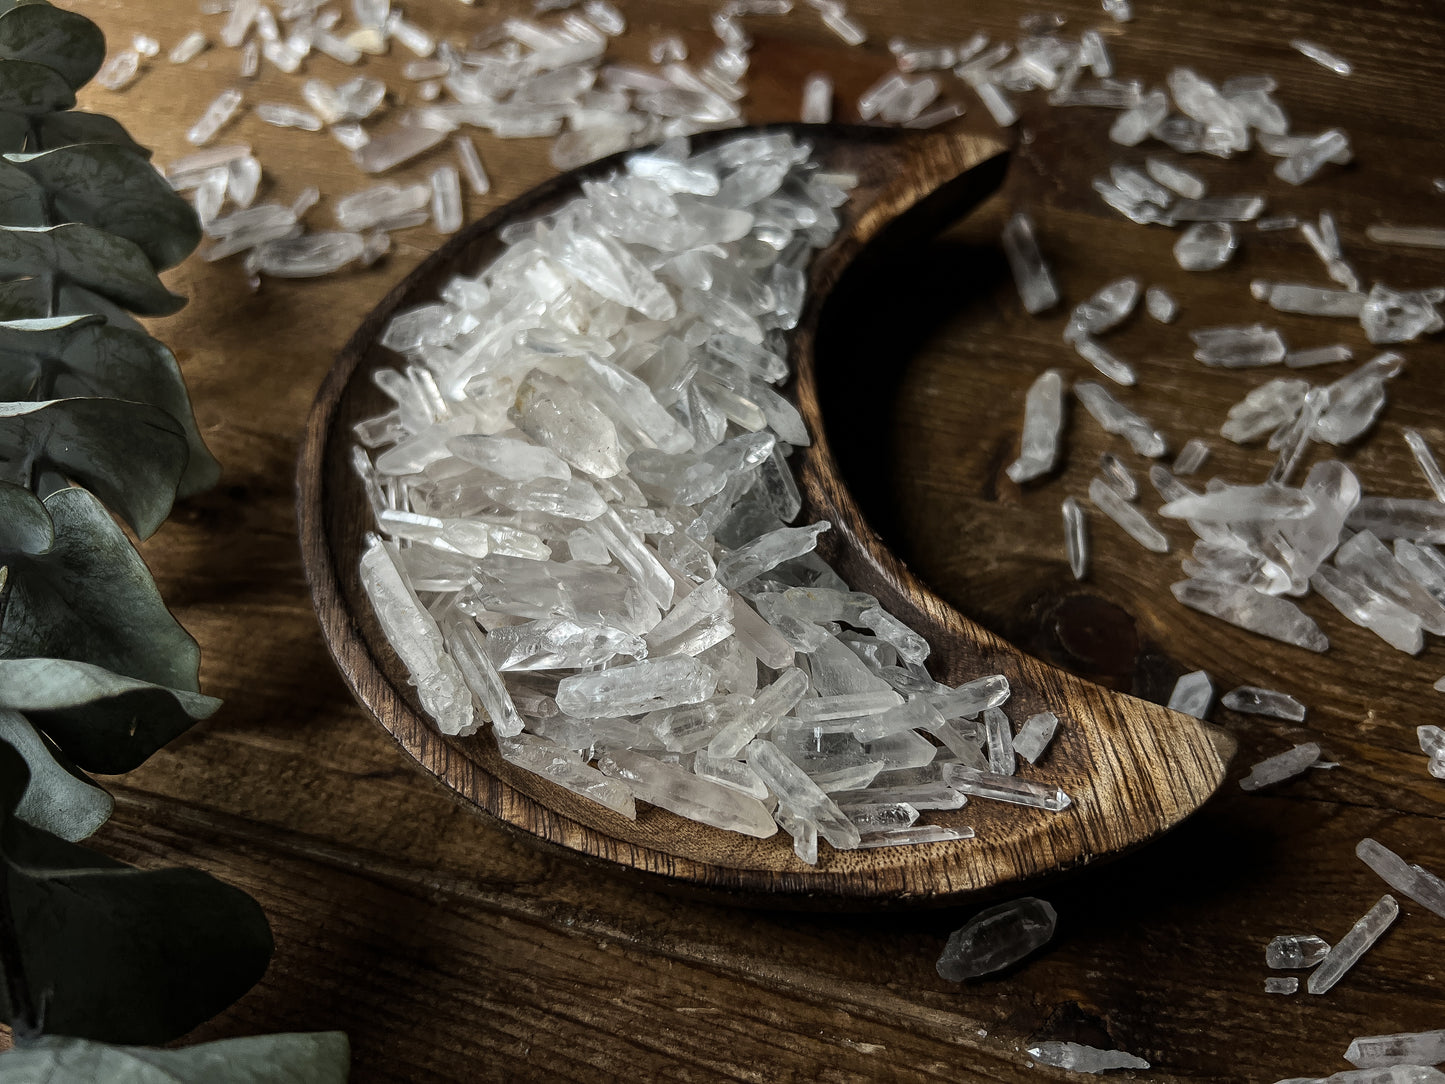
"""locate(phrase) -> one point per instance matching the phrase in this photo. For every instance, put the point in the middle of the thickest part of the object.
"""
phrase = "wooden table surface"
(449, 950)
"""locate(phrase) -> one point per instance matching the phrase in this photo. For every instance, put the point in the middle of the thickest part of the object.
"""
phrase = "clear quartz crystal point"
(1193, 694)
(216, 116)
(1035, 735)
(567, 769)
(1281, 984)
(1042, 428)
(997, 938)
(685, 794)
(1000, 742)
(1129, 518)
(1414, 881)
(1353, 945)
(1305, 163)
(1118, 419)
(1160, 305)
(1295, 951)
(1076, 538)
(1191, 457)
(1174, 177)
(446, 199)
(1278, 768)
(1322, 56)
(1252, 700)
(1243, 606)
(800, 795)
(1206, 246)
(1083, 1059)
(1426, 461)
(1031, 274)
(1238, 347)
(1242, 504)
(817, 99)
(636, 687)
(1105, 310)
(1005, 788)
(1402, 1048)
(767, 551)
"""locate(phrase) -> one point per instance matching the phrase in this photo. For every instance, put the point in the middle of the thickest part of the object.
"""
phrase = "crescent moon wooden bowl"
(1133, 769)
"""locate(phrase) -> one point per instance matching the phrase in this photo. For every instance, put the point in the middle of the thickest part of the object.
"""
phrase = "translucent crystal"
(1238, 347)
(1191, 457)
(1129, 518)
(402, 143)
(997, 938)
(1322, 56)
(1305, 163)
(1252, 610)
(1416, 882)
(1119, 476)
(446, 199)
(217, 115)
(685, 794)
(1104, 360)
(1319, 355)
(1295, 951)
(1353, 945)
(466, 647)
(636, 687)
(1252, 700)
(120, 70)
(1076, 538)
(1396, 316)
(188, 48)
(1217, 209)
(800, 795)
(767, 551)
(471, 165)
(817, 99)
(1035, 735)
(1031, 274)
(567, 769)
(1283, 766)
(1176, 178)
(307, 256)
(919, 833)
(1242, 504)
(1280, 984)
(1075, 1056)
(1132, 126)
(1005, 788)
(1193, 694)
(1116, 418)
(1042, 428)
(847, 28)
(1311, 300)
(1160, 305)
(1412, 236)
(1206, 246)
(1403, 1048)
(282, 115)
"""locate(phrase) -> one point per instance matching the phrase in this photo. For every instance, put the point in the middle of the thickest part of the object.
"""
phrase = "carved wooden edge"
(928, 873)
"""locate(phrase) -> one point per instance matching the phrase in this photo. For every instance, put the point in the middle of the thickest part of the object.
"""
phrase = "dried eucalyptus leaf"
(130, 455)
(60, 129)
(22, 200)
(59, 39)
(25, 526)
(125, 955)
(92, 258)
(82, 355)
(31, 89)
(89, 597)
(104, 722)
(319, 1057)
(116, 189)
(58, 798)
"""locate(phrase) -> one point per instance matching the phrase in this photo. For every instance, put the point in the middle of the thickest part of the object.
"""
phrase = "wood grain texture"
(1132, 769)
(451, 950)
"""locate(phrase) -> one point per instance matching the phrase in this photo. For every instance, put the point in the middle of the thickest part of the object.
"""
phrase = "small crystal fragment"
(1253, 610)
(1104, 360)
(1160, 305)
(1217, 209)
(446, 199)
(1295, 951)
(1353, 945)
(1035, 735)
(1322, 56)
(997, 938)
(1005, 788)
(1396, 316)
(1042, 428)
(1318, 355)
(1238, 347)
(1105, 310)
(687, 795)
(1206, 246)
(188, 48)
(1132, 126)
(282, 115)
(1031, 274)
(1174, 177)
(1411, 236)
(1310, 300)
(1119, 476)
(1076, 538)
(119, 71)
(1404, 1048)
(1193, 695)
(1252, 700)
(471, 164)
(217, 115)
(1281, 984)
(1303, 165)
(1283, 766)
(1118, 419)
(919, 833)
(850, 30)
(817, 99)
(306, 256)
(1416, 882)
(635, 688)
(1129, 518)
(1075, 1056)
(567, 769)
(1191, 457)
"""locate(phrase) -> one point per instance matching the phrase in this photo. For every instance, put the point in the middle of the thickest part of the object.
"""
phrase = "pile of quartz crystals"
(583, 486)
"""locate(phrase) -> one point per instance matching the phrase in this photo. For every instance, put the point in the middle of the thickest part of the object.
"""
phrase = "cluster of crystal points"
(583, 501)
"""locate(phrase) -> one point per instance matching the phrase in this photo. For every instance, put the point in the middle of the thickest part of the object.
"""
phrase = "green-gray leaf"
(72, 126)
(31, 89)
(102, 721)
(57, 798)
(25, 526)
(116, 189)
(83, 356)
(90, 598)
(130, 455)
(319, 1057)
(126, 955)
(90, 257)
(59, 39)
(22, 200)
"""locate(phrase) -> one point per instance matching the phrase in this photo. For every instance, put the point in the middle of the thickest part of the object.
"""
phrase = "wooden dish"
(1133, 769)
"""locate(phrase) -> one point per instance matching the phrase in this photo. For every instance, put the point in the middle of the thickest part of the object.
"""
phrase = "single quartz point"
(1411, 236)
(800, 795)
(1129, 518)
(1278, 768)
(1322, 56)
(567, 769)
(1318, 355)
(1031, 274)
(1105, 310)
(1104, 360)
(636, 687)
(1243, 606)
(1174, 177)
(685, 794)
(1035, 735)
(1252, 700)
(1042, 428)
(282, 115)
(1191, 457)
(1281, 984)
(1403, 1048)
(1160, 305)
(770, 705)
(1118, 475)
(1354, 597)
(1116, 418)
(1309, 300)
(1005, 788)
(465, 645)
(1295, 951)
(1076, 538)
(380, 205)
(1083, 1059)
(1238, 347)
(1353, 945)
(767, 551)
(1242, 504)
(1397, 316)
(997, 938)
(1133, 125)
(1193, 695)
(217, 115)
(1414, 881)
(1389, 518)
(817, 99)
(1426, 461)
(919, 833)
(446, 199)
(1432, 739)
(1206, 246)
(1265, 409)
(1000, 742)
(1217, 209)
(119, 71)
(188, 48)
(305, 256)
(1307, 161)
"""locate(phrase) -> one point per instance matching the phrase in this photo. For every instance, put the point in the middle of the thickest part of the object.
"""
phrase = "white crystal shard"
(471, 165)
(1129, 518)
(1242, 504)
(188, 48)
(1416, 882)
(1075, 1056)
(1160, 305)
(1279, 984)
(1284, 766)
(1206, 246)
(636, 688)
(1042, 428)
(1353, 945)
(1295, 951)
(1035, 735)
(1411, 236)
(1394, 316)
(446, 199)
(1238, 347)
(1102, 359)
(1116, 418)
(1310, 300)
(1119, 476)
(217, 115)
(1005, 788)
(1322, 56)
(1193, 694)
(1305, 163)
(1031, 274)
(997, 938)
(767, 551)
(1132, 126)
(687, 795)
(1318, 355)
(1076, 538)
(120, 70)
(1252, 700)
(282, 115)
(466, 647)
(1191, 457)
(817, 99)
(1252, 610)
(567, 769)
(306, 256)
(1217, 209)
(1176, 178)
(1403, 1048)
(800, 795)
